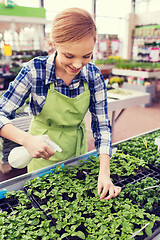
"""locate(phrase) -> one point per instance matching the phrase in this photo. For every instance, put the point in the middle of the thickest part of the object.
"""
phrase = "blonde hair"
(72, 24)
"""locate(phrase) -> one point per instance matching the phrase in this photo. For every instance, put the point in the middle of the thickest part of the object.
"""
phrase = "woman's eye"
(87, 56)
(68, 56)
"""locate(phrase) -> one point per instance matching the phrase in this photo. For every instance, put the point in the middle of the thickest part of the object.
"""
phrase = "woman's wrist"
(104, 164)
(25, 138)
(15, 134)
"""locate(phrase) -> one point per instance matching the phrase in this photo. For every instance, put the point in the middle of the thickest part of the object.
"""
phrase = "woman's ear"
(54, 45)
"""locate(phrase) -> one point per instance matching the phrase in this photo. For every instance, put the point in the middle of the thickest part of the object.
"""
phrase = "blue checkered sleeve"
(15, 96)
(100, 124)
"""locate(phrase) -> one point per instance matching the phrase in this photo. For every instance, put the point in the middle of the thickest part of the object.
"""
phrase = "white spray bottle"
(19, 157)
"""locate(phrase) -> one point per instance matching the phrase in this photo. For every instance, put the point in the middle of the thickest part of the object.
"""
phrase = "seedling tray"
(152, 172)
(8, 205)
(43, 204)
(19, 182)
(13, 199)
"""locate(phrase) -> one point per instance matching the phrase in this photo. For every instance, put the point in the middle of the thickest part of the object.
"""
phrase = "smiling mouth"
(74, 69)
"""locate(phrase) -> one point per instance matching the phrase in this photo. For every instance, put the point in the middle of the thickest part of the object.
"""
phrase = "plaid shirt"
(34, 80)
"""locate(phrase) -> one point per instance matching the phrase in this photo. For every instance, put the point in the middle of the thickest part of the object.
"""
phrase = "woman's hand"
(37, 147)
(105, 186)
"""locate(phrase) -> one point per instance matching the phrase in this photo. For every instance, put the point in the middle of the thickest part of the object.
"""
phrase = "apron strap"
(52, 85)
(85, 85)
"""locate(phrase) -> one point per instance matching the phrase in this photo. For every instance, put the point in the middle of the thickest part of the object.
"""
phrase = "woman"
(62, 87)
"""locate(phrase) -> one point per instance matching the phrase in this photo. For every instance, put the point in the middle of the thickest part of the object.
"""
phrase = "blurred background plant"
(116, 79)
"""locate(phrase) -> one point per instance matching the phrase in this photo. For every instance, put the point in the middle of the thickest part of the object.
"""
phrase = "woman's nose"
(77, 64)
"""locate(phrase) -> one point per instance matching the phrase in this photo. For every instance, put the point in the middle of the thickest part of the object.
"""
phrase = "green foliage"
(129, 64)
(26, 224)
(72, 201)
(125, 165)
(68, 197)
(110, 60)
(20, 196)
(137, 65)
(143, 147)
(143, 195)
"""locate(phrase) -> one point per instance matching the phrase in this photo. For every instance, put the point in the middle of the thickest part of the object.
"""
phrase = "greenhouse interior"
(96, 175)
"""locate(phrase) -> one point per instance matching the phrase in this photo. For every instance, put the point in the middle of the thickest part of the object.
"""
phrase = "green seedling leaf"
(35, 221)
(148, 230)
(64, 235)
(140, 233)
(41, 232)
(79, 234)
(29, 191)
(58, 227)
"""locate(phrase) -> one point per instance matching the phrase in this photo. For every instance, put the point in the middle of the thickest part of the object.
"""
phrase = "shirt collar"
(50, 70)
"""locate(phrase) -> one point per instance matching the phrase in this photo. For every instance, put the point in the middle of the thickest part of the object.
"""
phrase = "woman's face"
(73, 56)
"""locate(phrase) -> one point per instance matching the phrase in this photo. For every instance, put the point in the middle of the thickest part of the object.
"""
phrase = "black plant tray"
(155, 211)
(123, 183)
(18, 183)
(156, 207)
(155, 231)
(142, 173)
(156, 170)
(142, 237)
(11, 206)
(8, 205)
(152, 172)
(36, 203)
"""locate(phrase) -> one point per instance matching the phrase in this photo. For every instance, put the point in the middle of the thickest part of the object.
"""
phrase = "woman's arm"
(35, 145)
(102, 133)
(13, 133)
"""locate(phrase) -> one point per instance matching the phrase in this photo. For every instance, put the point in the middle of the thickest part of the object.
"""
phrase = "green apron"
(62, 119)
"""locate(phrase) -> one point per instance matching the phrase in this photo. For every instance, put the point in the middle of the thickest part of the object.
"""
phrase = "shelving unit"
(135, 73)
(142, 88)
(146, 43)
